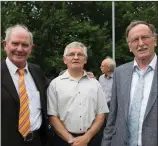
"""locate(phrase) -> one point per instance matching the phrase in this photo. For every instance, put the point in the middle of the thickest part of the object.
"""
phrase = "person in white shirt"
(76, 102)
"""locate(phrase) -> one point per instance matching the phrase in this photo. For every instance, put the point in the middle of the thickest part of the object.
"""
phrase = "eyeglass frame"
(79, 55)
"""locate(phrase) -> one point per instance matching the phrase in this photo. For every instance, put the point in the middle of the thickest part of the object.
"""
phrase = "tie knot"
(21, 71)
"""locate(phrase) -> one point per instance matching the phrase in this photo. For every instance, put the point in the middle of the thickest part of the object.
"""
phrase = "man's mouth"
(20, 55)
(142, 49)
(75, 62)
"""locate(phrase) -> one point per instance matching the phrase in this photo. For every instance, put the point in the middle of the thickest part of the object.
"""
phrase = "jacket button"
(125, 142)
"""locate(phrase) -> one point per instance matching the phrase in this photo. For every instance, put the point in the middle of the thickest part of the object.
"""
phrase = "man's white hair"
(9, 31)
(75, 45)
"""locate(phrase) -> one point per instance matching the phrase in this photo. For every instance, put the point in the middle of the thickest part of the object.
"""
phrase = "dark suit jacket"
(10, 105)
(116, 131)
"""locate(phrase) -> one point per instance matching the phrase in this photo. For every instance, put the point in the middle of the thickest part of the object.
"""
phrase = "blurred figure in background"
(106, 79)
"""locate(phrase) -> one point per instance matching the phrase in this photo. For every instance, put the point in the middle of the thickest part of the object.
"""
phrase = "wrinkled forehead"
(140, 29)
(20, 32)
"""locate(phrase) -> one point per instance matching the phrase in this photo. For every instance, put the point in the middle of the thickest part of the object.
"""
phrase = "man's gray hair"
(136, 22)
(9, 31)
(111, 63)
(75, 45)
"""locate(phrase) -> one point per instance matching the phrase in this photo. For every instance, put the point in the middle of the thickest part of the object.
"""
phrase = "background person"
(106, 79)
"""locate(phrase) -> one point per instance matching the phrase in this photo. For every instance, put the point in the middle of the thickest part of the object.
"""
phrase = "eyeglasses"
(72, 55)
(143, 38)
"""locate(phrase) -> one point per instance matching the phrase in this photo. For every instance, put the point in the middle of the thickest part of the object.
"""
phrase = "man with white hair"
(23, 88)
(76, 102)
(106, 79)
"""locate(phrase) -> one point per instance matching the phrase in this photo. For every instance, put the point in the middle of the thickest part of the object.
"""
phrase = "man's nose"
(140, 42)
(76, 56)
(19, 48)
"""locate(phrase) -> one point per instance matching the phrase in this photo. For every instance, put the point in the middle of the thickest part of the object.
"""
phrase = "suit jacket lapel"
(153, 93)
(127, 87)
(7, 81)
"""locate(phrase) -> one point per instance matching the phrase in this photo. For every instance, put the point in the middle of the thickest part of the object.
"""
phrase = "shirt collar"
(13, 68)
(111, 75)
(66, 75)
(152, 63)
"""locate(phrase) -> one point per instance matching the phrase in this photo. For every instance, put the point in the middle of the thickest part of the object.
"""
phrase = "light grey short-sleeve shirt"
(76, 102)
(106, 85)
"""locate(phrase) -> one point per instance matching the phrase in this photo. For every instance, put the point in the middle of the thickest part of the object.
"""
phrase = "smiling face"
(142, 42)
(18, 46)
(75, 59)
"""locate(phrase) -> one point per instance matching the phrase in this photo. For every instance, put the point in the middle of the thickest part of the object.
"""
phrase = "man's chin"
(77, 68)
(19, 62)
(143, 57)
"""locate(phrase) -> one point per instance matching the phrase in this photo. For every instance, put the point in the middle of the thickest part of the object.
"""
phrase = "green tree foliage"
(57, 23)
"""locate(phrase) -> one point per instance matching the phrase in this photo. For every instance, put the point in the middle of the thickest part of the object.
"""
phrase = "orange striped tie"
(24, 119)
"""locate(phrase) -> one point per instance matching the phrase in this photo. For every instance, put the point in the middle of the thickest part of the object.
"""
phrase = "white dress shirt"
(147, 87)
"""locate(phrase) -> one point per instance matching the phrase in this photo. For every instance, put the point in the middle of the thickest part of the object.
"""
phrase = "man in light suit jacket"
(18, 45)
(142, 41)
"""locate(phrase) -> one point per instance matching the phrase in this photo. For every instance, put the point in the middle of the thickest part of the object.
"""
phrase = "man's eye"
(80, 54)
(135, 40)
(71, 55)
(145, 37)
(25, 45)
(14, 43)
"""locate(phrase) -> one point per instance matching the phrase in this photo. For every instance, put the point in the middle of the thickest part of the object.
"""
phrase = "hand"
(81, 141)
(71, 140)
(90, 74)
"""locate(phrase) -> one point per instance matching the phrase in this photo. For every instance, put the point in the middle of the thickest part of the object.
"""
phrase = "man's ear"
(4, 44)
(85, 60)
(129, 45)
(64, 59)
(32, 46)
(155, 41)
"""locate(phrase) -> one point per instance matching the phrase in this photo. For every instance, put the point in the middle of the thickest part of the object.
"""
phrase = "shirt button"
(80, 116)
(80, 129)
(79, 92)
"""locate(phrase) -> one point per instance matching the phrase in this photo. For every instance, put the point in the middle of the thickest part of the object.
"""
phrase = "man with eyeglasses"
(76, 102)
(133, 113)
